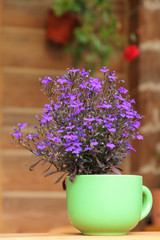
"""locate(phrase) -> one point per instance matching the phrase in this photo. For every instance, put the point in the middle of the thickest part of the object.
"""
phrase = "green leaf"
(81, 37)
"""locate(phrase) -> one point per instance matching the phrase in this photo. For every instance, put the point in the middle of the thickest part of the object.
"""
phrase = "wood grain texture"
(27, 92)
(21, 214)
(1, 90)
(74, 236)
(27, 47)
(17, 177)
(21, 13)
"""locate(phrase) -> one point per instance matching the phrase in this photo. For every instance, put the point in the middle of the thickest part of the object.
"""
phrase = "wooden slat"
(14, 115)
(29, 48)
(23, 13)
(23, 214)
(17, 177)
(26, 93)
(1, 84)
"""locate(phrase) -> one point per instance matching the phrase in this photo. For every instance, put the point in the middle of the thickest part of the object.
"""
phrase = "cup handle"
(147, 201)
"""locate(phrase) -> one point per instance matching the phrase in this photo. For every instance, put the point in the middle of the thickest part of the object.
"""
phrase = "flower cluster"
(86, 127)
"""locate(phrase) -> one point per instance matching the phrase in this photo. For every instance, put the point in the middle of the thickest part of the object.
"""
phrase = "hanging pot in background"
(60, 28)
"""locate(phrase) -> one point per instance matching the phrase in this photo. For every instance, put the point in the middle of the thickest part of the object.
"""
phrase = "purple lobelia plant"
(86, 127)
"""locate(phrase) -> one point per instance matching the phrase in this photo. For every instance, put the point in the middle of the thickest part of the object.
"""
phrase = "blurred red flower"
(131, 52)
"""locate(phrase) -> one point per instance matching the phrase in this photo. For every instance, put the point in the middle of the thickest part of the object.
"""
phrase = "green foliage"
(95, 36)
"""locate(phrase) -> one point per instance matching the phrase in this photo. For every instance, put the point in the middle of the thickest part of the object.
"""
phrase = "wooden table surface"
(71, 233)
(78, 236)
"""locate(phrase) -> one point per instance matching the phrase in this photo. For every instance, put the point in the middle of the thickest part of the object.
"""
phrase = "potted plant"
(94, 32)
(84, 133)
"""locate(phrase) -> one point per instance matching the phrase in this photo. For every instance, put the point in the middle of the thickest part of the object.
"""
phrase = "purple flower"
(129, 147)
(122, 90)
(79, 128)
(95, 84)
(83, 85)
(76, 104)
(104, 70)
(47, 107)
(21, 126)
(17, 134)
(57, 106)
(107, 106)
(94, 142)
(29, 136)
(111, 76)
(46, 118)
(100, 120)
(70, 126)
(125, 134)
(129, 116)
(77, 150)
(132, 101)
(62, 81)
(108, 125)
(46, 80)
(70, 137)
(88, 149)
(84, 73)
(136, 124)
(77, 144)
(112, 129)
(41, 146)
(36, 135)
(89, 119)
(52, 138)
(72, 97)
(73, 70)
(139, 137)
(110, 145)
(111, 119)
(69, 149)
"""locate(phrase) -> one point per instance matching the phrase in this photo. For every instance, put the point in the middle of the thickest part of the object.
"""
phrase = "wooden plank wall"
(0, 115)
(31, 203)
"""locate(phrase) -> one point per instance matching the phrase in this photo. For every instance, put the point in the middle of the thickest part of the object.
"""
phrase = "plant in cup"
(84, 133)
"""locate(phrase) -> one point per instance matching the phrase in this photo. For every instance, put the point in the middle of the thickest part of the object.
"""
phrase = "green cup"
(107, 204)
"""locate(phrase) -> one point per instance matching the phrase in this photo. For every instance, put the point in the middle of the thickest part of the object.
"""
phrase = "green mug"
(107, 204)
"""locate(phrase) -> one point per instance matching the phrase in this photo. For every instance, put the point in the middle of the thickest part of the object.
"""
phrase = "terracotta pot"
(60, 28)
(156, 206)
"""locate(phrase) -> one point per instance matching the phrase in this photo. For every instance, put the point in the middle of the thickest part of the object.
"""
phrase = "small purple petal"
(104, 70)
(69, 149)
(139, 137)
(17, 134)
(110, 145)
(136, 124)
(23, 125)
(94, 142)
(77, 150)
